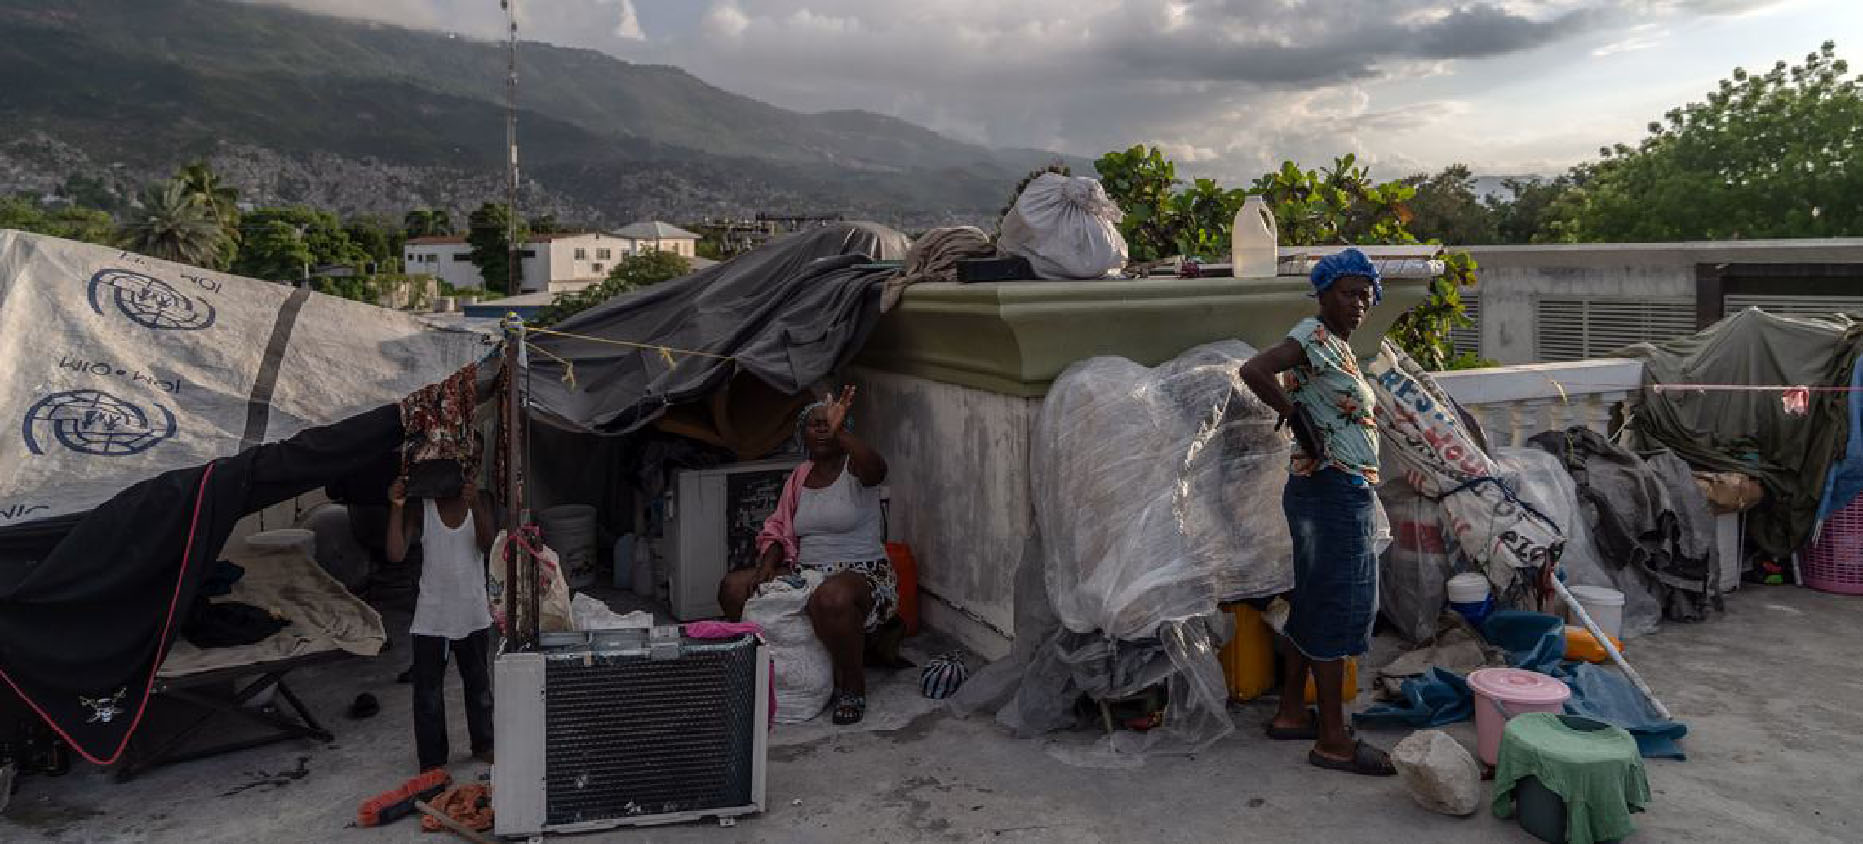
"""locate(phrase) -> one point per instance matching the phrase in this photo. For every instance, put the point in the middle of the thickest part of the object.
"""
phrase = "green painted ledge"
(1016, 337)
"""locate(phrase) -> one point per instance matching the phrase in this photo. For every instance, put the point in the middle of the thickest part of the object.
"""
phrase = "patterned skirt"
(880, 578)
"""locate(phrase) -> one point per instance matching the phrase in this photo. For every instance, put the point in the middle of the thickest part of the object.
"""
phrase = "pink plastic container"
(1835, 562)
(1515, 691)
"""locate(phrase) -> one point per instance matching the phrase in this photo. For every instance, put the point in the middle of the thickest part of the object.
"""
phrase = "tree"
(1527, 212)
(1341, 204)
(275, 251)
(377, 237)
(173, 224)
(71, 222)
(1141, 181)
(1775, 154)
(546, 224)
(427, 222)
(219, 199)
(487, 233)
(632, 273)
(319, 231)
(1446, 208)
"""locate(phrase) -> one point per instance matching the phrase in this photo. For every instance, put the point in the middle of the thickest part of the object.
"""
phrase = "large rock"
(1439, 772)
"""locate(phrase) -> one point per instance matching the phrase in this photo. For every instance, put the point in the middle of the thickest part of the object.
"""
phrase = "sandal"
(1366, 760)
(1306, 733)
(849, 708)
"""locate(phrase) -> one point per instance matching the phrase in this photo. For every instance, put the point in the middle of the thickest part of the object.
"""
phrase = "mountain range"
(361, 117)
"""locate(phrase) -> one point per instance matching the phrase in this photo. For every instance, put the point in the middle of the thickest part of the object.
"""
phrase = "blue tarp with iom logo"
(120, 367)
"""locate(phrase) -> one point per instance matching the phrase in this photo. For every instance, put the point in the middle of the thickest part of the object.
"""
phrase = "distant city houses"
(550, 262)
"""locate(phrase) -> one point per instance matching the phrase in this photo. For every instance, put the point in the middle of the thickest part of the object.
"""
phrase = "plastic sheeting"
(1156, 498)
(1542, 481)
(1846, 478)
(1156, 491)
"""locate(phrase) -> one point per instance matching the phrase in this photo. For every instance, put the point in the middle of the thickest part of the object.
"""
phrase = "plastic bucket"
(1502, 693)
(1605, 606)
(1469, 595)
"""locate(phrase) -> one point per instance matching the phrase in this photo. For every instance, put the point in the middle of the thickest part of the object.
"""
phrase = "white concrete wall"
(1512, 277)
(958, 462)
(447, 263)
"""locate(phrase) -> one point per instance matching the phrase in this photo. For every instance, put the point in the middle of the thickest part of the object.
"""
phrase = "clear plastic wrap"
(1157, 492)
(1156, 498)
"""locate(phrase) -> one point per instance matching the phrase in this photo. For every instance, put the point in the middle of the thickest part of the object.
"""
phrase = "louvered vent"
(630, 736)
(1466, 339)
(1795, 305)
(1573, 328)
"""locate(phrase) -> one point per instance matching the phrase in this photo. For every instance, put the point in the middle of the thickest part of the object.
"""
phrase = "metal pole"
(513, 262)
(1617, 656)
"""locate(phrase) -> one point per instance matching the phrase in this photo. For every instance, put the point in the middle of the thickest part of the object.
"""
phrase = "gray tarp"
(1749, 431)
(788, 314)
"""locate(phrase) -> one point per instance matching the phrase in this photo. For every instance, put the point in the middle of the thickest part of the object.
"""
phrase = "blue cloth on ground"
(1846, 477)
(1535, 642)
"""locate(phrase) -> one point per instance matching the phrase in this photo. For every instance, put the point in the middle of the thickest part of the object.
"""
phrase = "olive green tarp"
(1750, 431)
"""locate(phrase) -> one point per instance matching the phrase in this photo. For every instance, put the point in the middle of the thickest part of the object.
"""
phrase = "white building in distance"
(550, 262)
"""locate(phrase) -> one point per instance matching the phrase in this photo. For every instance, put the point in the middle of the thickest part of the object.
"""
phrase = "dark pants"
(474, 655)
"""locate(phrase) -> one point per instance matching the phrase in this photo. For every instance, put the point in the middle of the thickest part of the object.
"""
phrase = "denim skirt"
(1330, 515)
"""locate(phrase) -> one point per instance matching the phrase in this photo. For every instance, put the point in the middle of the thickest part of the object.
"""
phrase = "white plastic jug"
(1254, 242)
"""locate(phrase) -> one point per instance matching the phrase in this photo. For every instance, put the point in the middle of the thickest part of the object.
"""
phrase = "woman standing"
(1312, 379)
(828, 519)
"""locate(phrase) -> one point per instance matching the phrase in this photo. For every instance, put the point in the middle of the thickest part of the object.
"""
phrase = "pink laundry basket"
(1834, 563)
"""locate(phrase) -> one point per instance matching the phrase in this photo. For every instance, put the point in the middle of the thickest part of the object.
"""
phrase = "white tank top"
(452, 602)
(839, 523)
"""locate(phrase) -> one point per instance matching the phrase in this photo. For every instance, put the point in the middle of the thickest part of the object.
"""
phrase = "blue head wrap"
(1344, 263)
(802, 422)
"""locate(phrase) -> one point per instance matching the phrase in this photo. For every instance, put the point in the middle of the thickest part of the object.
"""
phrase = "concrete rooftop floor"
(1769, 691)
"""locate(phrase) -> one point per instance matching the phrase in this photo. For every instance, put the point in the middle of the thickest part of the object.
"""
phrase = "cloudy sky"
(1227, 87)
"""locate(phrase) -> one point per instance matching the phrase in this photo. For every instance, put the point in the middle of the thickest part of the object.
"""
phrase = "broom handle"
(458, 828)
(1610, 647)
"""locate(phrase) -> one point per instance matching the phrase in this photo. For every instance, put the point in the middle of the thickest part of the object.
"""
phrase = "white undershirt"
(452, 602)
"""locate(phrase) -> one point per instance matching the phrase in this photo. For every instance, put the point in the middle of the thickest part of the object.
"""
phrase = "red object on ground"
(398, 802)
(906, 569)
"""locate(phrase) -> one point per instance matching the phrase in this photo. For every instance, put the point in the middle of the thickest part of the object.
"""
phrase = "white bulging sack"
(1067, 228)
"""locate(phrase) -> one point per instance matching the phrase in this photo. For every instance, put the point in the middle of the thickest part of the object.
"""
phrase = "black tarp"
(88, 606)
(788, 314)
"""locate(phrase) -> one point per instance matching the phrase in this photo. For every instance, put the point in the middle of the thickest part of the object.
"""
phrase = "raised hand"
(836, 412)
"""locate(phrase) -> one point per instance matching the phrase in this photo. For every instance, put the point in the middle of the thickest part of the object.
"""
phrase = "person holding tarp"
(1312, 380)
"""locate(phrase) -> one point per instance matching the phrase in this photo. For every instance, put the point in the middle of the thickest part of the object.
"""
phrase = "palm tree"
(223, 201)
(204, 184)
(174, 224)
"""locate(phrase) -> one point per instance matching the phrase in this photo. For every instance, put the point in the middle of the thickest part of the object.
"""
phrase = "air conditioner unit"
(712, 522)
(608, 728)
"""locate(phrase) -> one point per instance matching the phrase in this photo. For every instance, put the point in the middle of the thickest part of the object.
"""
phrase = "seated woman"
(828, 519)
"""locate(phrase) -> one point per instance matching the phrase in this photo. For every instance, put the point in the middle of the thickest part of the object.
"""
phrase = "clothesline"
(666, 352)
